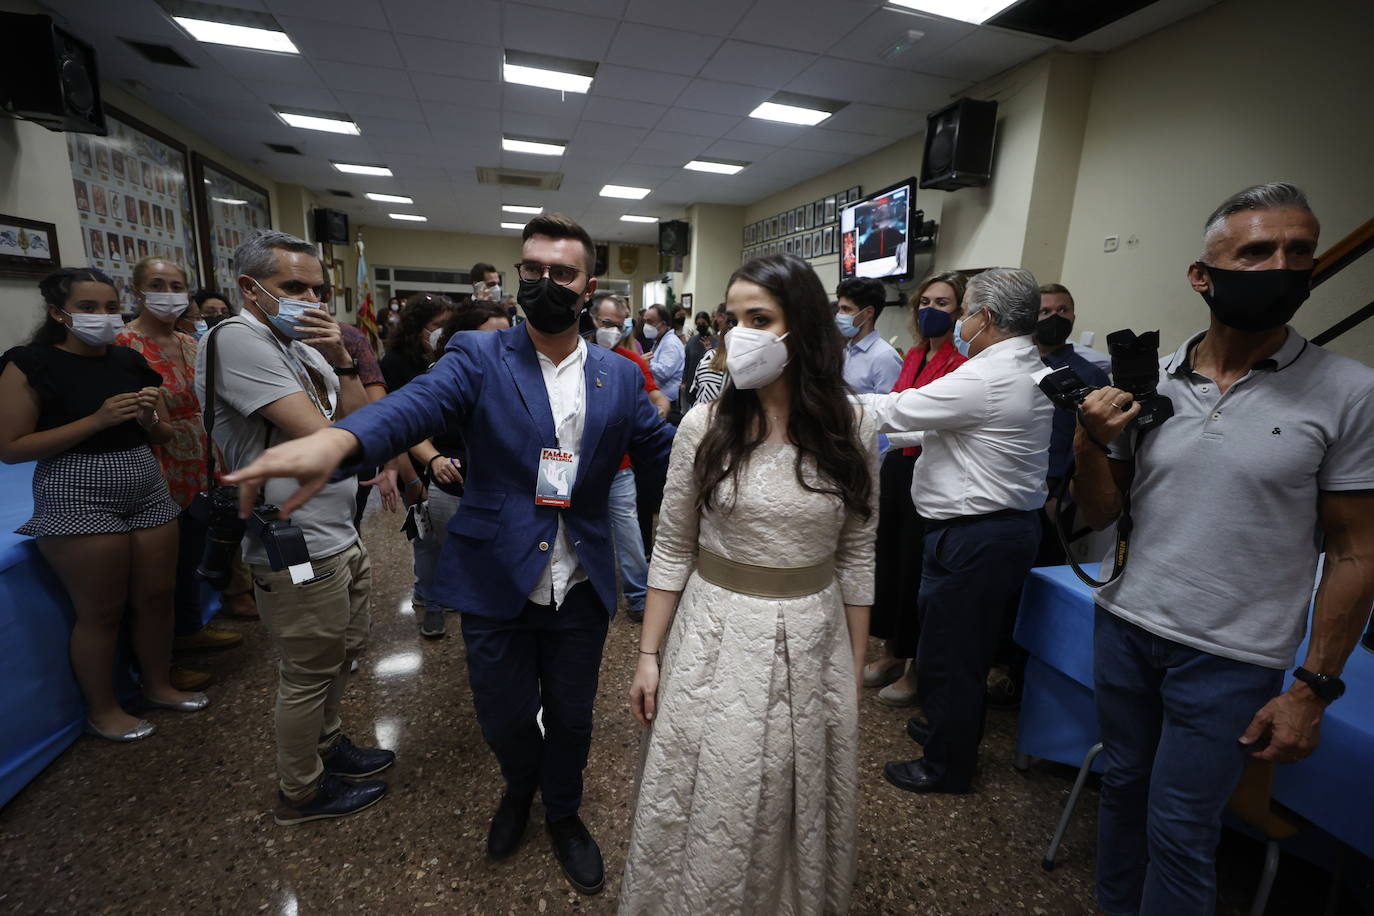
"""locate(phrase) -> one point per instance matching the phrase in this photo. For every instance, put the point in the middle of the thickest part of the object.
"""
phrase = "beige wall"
(1245, 92)
(717, 232)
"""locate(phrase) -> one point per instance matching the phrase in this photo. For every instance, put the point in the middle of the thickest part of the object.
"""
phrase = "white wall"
(717, 231)
(1245, 92)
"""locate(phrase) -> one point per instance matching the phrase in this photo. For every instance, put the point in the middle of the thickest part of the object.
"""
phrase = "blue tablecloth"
(1332, 788)
(40, 706)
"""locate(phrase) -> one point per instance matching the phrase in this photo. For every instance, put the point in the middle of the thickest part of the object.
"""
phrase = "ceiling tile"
(661, 49)
(984, 53)
(365, 104)
(647, 156)
(777, 22)
(688, 145)
(543, 102)
(701, 123)
(722, 98)
(737, 149)
(614, 139)
(253, 65)
(431, 87)
(609, 9)
(526, 125)
(474, 21)
(321, 40)
(363, 78)
(547, 31)
(882, 29)
(451, 58)
(756, 64)
(772, 133)
(305, 96)
(837, 141)
(621, 111)
(638, 85)
(873, 119)
(712, 17)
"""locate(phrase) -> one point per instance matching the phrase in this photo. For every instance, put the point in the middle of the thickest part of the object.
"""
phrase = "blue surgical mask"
(201, 328)
(289, 312)
(959, 343)
(845, 323)
(933, 322)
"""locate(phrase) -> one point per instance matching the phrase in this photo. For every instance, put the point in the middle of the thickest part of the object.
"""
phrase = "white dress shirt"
(567, 388)
(986, 437)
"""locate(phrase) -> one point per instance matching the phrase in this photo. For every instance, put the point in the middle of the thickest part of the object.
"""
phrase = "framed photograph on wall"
(686, 300)
(830, 209)
(852, 194)
(817, 238)
(806, 246)
(808, 216)
(229, 208)
(828, 240)
(28, 247)
(133, 193)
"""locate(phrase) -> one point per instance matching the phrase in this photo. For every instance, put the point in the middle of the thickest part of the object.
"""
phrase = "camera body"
(283, 542)
(1135, 368)
(218, 509)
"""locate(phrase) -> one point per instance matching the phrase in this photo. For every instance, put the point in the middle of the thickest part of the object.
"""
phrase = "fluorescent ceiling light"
(718, 166)
(353, 168)
(975, 11)
(411, 217)
(533, 145)
(563, 74)
(229, 200)
(789, 114)
(331, 122)
(512, 225)
(515, 208)
(389, 198)
(631, 218)
(238, 36)
(619, 190)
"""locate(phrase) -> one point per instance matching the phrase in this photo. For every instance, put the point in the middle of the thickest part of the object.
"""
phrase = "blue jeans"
(1170, 718)
(441, 509)
(629, 545)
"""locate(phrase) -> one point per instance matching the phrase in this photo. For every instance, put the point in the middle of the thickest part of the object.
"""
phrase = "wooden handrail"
(1340, 255)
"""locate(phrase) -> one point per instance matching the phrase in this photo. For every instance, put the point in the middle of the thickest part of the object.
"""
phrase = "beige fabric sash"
(764, 581)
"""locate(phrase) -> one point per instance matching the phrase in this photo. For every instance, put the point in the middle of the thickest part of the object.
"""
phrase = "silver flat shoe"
(142, 730)
(195, 703)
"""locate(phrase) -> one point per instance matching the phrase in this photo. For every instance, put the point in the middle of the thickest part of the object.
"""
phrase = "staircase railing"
(1331, 262)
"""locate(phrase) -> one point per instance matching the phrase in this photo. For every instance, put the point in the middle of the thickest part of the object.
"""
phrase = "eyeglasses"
(562, 274)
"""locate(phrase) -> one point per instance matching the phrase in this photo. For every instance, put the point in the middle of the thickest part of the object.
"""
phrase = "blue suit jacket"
(488, 384)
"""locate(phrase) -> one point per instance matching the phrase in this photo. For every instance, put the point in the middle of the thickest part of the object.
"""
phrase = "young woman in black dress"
(86, 411)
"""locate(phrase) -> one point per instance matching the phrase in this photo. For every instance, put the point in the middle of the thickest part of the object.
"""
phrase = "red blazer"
(943, 362)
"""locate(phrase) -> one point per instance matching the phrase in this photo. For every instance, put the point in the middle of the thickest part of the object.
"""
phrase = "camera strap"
(208, 408)
(1124, 525)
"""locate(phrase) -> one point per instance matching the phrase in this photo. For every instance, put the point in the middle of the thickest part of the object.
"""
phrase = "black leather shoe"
(508, 826)
(353, 762)
(578, 854)
(334, 797)
(918, 730)
(912, 776)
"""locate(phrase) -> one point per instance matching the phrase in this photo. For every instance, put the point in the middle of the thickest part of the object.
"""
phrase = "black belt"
(935, 524)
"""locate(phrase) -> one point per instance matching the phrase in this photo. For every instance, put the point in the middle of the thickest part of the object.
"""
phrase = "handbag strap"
(208, 412)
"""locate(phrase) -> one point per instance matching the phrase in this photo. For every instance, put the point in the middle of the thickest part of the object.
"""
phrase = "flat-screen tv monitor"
(875, 234)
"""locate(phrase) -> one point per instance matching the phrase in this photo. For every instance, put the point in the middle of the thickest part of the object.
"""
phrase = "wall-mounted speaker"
(674, 238)
(48, 75)
(958, 150)
(331, 226)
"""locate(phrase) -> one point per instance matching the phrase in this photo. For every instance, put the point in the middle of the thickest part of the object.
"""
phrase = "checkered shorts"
(99, 493)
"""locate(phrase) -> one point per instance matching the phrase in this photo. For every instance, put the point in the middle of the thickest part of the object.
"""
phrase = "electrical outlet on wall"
(1133, 241)
(1111, 243)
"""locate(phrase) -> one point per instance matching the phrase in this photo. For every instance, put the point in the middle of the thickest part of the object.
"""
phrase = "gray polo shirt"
(253, 369)
(1227, 535)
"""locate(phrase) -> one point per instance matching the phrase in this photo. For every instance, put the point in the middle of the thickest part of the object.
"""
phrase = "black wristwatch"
(350, 370)
(1327, 687)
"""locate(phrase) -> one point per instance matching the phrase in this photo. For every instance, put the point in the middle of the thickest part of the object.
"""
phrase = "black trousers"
(897, 580)
(187, 617)
(971, 569)
(547, 658)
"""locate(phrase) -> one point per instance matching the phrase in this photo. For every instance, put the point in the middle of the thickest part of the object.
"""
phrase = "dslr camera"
(1135, 368)
(218, 508)
(283, 541)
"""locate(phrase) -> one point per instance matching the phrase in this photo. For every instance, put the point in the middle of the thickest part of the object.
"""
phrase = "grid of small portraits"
(233, 208)
(133, 200)
(809, 231)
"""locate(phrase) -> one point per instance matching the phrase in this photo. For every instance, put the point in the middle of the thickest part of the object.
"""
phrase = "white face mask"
(608, 337)
(96, 330)
(754, 358)
(650, 332)
(434, 336)
(167, 306)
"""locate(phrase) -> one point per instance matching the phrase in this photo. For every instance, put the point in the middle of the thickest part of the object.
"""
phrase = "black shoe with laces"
(578, 854)
(508, 826)
(333, 797)
(353, 762)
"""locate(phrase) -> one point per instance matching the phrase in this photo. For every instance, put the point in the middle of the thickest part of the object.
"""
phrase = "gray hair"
(601, 297)
(1010, 294)
(257, 256)
(1273, 195)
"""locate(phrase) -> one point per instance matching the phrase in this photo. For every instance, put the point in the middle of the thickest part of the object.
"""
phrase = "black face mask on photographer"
(1256, 300)
(549, 307)
(1053, 330)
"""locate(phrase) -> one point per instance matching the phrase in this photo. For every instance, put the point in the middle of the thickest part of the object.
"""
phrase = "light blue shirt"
(666, 362)
(871, 366)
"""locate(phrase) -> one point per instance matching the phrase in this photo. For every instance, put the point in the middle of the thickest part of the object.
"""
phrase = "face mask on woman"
(754, 357)
(95, 330)
(167, 306)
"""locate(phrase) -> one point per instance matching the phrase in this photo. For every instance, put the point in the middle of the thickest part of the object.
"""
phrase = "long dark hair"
(409, 336)
(56, 289)
(822, 424)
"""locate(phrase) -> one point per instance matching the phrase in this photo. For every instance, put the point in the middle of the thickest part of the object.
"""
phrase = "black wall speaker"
(674, 237)
(48, 75)
(331, 226)
(958, 151)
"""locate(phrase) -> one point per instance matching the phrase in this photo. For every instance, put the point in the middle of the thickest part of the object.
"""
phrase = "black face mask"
(1053, 330)
(1256, 300)
(212, 320)
(549, 308)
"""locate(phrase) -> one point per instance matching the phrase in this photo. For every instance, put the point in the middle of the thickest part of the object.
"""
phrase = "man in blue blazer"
(529, 559)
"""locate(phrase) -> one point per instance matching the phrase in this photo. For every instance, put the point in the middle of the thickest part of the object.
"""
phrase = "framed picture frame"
(134, 193)
(686, 300)
(853, 194)
(28, 247)
(828, 240)
(818, 208)
(806, 246)
(831, 211)
(798, 218)
(348, 300)
(228, 207)
(808, 216)
(817, 239)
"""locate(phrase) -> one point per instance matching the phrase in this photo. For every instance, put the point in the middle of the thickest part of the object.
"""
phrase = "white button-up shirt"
(567, 388)
(986, 437)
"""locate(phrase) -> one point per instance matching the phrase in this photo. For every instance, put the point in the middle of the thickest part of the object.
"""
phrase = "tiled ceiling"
(676, 79)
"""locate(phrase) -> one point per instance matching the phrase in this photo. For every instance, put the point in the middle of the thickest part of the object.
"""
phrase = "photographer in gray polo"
(1267, 461)
(281, 371)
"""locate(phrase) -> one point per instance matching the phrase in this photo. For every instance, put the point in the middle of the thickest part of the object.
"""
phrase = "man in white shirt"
(669, 355)
(871, 365)
(985, 434)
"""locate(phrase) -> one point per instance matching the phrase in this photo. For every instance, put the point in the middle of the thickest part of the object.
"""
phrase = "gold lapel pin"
(598, 382)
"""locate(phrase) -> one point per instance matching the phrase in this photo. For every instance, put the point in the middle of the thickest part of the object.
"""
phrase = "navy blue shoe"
(353, 762)
(334, 797)
(578, 854)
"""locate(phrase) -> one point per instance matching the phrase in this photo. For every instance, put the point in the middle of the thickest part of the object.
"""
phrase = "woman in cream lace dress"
(747, 799)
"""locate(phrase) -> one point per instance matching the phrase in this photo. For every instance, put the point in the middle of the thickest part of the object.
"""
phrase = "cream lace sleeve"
(854, 558)
(675, 541)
